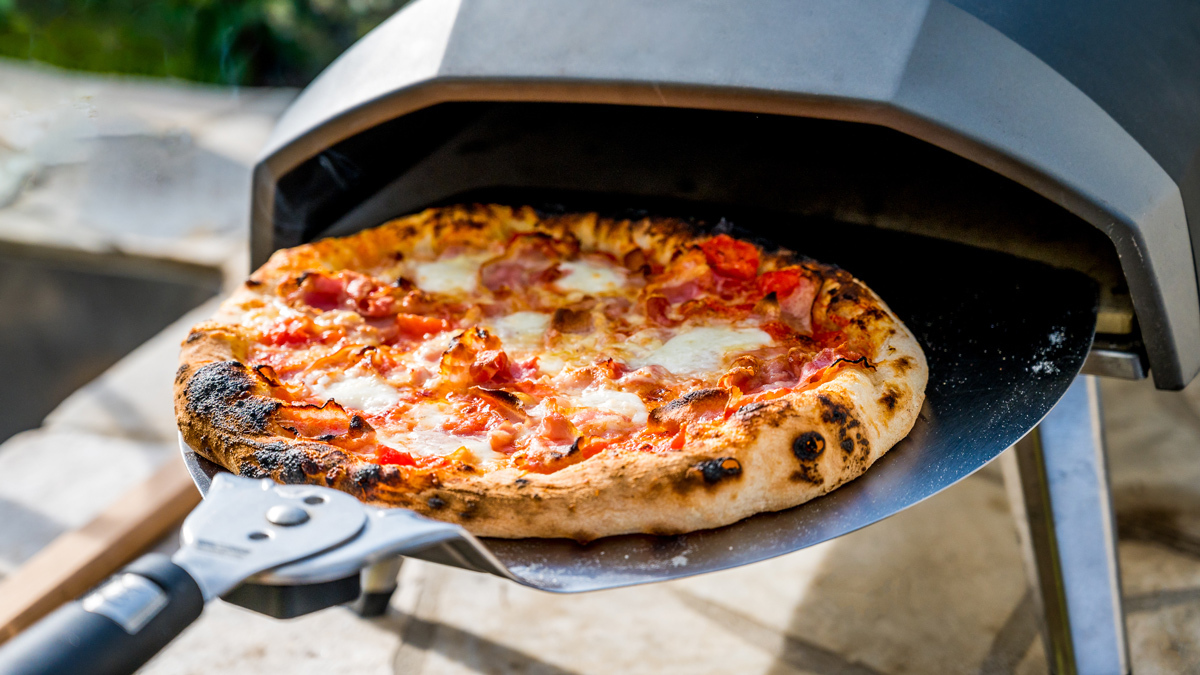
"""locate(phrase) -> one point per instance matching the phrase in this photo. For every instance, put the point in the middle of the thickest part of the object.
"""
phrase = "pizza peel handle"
(243, 528)
(115, 628)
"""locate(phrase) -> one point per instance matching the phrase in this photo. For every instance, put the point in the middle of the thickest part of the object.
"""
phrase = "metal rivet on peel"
(282, 514)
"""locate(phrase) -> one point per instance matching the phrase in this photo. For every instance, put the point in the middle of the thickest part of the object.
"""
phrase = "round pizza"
(551, 375)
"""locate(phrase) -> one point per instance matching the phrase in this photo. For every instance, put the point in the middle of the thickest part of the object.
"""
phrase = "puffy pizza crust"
(767, 457)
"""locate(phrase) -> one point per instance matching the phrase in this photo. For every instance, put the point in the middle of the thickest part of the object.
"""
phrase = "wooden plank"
(80, 559)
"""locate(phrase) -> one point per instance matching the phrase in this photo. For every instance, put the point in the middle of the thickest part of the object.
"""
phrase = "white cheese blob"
(703, 349)
(431, 350)
(590, 277)
(521, 330)
(459, 274)
(621, 403)
(356, 389)
(434, 442)
(550, 364)
(338, 318)
(429, 438)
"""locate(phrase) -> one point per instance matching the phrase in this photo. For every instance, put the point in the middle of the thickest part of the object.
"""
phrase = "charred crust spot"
(367, 476)
(193, 336)
(807, 473)
(839, 415)
(751, 408)
(890, 398)
(326, 437)
(836, 413)
(252, 414)
(268, 457)
(808, 446)
(220, 392)
(521, 482)
(357, 423)
(435, 502)
(903, 364)
(253, 283)
(249, 470)
(218, 382)
(717, 470)
(294, 466)
(181, 371)
(868, 317)
(833, 412)
(471, 510)
(847, 290)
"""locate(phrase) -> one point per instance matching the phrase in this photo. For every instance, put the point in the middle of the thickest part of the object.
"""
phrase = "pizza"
(551, 375)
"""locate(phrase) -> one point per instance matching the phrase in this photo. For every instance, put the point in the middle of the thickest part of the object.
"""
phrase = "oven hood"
(930, 70)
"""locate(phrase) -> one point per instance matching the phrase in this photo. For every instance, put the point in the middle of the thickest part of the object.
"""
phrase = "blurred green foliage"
(247, 42)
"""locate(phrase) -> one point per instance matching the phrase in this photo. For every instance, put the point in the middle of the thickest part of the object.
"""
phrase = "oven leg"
(1057, 480)
(378, 582)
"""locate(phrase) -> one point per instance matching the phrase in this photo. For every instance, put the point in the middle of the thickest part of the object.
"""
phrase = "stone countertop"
(938, 588)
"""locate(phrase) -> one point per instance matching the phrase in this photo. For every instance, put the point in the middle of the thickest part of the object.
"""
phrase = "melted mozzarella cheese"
(621, 403)
(522, 330)
(459, 274)
(589, 277)
(703, 349)
(433, 442)
(550, 364)
(429, 438)
(431, 350)
(356, 389)
(336, 318)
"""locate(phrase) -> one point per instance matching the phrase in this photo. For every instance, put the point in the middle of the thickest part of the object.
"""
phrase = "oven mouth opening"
(813, 174)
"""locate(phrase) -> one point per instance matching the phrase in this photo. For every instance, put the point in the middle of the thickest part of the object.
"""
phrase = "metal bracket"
(246, 526)
(301, 535)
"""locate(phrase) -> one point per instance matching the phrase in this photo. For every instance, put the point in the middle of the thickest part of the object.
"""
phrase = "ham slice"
(529, 259)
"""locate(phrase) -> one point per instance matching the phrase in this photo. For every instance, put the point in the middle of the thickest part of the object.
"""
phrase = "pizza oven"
(1015, 179)
(1003, 126)
(952, 143)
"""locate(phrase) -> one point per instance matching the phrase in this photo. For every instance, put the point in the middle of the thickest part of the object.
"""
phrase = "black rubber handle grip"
(75, 640)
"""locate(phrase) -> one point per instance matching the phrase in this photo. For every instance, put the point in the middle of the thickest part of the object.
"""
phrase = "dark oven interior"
(817, 186)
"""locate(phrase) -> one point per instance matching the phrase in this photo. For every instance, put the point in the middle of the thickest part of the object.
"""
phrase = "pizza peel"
(1004, 338)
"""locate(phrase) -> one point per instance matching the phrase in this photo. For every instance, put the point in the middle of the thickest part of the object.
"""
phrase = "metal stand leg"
(1057, 479)
(378, 582)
